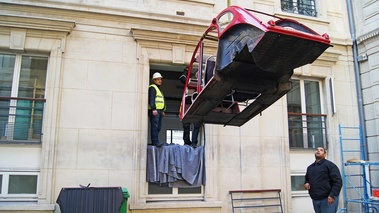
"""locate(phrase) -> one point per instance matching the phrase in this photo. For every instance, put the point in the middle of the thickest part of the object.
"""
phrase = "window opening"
(22, 101)
(172, 133)
(303, 7)
(14, 185)
(1, 183)
(156, 188)
(224, 20)
(174, 136)
(307, 126)
(297, 183)
(22, 93)
(22, 184)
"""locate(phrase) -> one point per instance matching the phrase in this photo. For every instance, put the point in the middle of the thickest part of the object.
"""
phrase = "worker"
(156, 108)
(187, 126)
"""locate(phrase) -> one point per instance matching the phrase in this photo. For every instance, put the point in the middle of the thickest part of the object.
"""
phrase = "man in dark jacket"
(323, 182)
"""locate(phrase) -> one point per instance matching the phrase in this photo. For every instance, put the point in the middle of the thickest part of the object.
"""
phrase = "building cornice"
(49, 7)
(327, 59)
(165, 40)
(368, 36)
(141, 35)
(147, 38)
(38, 23)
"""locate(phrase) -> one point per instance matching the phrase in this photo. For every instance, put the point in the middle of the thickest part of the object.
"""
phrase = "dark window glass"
(22, 184)
(303, 7)
(195, 190)
(156, 188)
(297, 183)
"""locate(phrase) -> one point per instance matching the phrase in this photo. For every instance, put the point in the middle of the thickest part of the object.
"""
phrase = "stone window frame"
(180, 47)
(41, 35)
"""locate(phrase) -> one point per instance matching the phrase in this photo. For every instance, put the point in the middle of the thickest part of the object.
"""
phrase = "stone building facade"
(366, 15)
(87, 66)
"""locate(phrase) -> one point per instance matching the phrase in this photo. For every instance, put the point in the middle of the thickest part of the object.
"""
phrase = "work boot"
(187, 143)
(154, 143)
(160, 144)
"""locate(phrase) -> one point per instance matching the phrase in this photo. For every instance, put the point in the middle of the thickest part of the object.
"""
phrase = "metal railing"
(307, 130)
(21, 119)
(303, 7)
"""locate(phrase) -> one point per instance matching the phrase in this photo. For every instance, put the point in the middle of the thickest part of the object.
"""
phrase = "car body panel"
(251, 69)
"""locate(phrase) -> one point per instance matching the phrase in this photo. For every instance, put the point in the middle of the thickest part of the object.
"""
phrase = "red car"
(245, 66)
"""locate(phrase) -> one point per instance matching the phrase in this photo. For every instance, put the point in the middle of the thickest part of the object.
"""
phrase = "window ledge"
(33, 143)
(25, 207)
(175, 205)
(300, 194)
(320, 20)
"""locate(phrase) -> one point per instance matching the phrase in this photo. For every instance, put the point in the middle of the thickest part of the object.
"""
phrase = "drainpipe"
(357, 80)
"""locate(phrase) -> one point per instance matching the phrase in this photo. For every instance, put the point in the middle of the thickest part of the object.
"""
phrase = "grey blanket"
(180, 166)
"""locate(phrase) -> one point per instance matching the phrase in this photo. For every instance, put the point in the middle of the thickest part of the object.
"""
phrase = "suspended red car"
(245, 66)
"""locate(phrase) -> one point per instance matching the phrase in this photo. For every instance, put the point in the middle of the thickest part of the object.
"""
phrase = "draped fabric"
(180, 166)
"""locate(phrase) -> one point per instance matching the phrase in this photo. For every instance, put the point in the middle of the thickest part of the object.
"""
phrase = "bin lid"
(126, 193)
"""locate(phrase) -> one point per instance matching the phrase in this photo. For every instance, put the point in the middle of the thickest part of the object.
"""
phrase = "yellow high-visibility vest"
(159, 99)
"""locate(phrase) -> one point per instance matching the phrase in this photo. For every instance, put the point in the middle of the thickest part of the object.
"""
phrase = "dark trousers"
(195, 133)
(155, 126)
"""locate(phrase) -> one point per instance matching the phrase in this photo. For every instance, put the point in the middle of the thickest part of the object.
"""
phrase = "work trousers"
(195, 133)
(155, 126)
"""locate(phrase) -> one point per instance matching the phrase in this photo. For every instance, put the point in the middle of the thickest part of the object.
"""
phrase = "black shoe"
(194, 145)
(156, 144)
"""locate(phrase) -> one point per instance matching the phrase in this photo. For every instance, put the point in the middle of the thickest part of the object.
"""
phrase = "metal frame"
(350, 187)
(248, 199)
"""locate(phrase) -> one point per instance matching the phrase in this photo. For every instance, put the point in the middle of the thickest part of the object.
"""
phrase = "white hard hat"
(157, 75)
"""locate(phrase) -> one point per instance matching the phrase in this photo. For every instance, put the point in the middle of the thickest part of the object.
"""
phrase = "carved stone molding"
(28, 22)
(368, 36)
(328, 58)
(22, 33)
(17, 39)
(143, 36)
